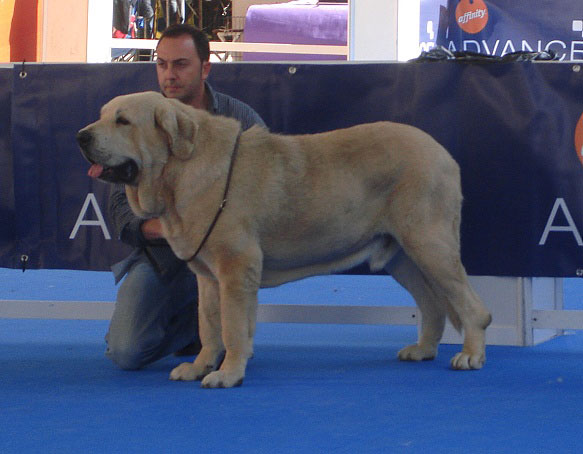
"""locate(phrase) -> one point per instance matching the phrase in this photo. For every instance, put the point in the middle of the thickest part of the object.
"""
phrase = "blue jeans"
(152, 317)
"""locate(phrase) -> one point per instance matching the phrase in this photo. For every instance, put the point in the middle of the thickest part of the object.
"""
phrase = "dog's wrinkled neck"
(145, 198)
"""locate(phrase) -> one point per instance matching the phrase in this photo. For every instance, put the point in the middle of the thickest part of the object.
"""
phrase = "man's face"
(181, 74)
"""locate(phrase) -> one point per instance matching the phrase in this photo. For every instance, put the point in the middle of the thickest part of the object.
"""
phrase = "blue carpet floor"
(309, 389)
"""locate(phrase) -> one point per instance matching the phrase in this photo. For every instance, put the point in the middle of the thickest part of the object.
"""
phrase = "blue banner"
(60, 213)
(500, 27)
(516, 130)
(7, 209)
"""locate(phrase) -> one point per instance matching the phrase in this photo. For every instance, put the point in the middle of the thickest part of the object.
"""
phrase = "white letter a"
(100, 222)
(571, 227)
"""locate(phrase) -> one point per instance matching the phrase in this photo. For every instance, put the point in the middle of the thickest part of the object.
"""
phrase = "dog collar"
(224, 199)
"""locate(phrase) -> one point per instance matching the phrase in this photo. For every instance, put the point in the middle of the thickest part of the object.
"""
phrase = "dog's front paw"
(467, 361)
(187, 372)
(222, 379)
(417, 352)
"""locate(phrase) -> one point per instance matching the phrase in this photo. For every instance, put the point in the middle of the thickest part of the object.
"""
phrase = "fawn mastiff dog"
(254, 209)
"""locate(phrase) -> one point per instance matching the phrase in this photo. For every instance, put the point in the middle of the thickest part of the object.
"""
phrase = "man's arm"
(127, 225)
(131, 229)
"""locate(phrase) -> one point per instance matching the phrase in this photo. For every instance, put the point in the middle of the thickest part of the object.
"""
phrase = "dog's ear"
(179, 128)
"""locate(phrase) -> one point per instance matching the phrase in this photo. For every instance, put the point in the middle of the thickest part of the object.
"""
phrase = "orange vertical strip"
(23, 31)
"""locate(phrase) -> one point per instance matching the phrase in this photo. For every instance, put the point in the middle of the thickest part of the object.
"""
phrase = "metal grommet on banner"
(576, 68)
(292, 70)
(579, 272)
(23, 72)
(23, 262)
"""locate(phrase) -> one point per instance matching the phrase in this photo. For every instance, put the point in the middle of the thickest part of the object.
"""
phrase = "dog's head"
(136, 132)
(133, 140)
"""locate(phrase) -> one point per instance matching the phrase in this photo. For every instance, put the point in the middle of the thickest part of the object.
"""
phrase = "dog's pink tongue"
(95, 171)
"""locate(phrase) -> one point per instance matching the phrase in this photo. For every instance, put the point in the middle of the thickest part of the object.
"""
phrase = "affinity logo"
(579, 139)
(472, 15)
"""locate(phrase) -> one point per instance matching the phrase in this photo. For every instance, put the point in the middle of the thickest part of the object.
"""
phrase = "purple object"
(296, 23)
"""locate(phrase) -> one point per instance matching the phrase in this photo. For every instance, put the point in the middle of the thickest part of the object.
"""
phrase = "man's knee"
(125, 357)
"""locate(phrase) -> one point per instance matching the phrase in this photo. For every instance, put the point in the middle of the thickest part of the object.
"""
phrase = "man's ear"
(206, 69)
(179, 128)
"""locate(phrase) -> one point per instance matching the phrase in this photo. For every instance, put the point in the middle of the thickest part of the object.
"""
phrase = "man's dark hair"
(198, 37)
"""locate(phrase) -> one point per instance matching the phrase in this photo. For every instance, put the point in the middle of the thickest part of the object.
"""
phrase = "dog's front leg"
(239, 284)
(209, 320)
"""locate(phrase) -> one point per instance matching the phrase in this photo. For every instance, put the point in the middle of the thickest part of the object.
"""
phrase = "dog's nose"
(84, 138)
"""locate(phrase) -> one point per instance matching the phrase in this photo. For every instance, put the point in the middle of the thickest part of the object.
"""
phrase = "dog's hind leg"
(406, 273)
(437, 257)
(209, 331)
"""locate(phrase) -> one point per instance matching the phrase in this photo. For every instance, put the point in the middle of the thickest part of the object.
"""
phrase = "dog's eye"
(122, 121)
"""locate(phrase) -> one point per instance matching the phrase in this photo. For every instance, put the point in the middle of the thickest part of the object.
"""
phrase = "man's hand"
(152, 229)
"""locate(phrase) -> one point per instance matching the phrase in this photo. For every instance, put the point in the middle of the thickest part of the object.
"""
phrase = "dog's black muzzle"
(84, 139)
